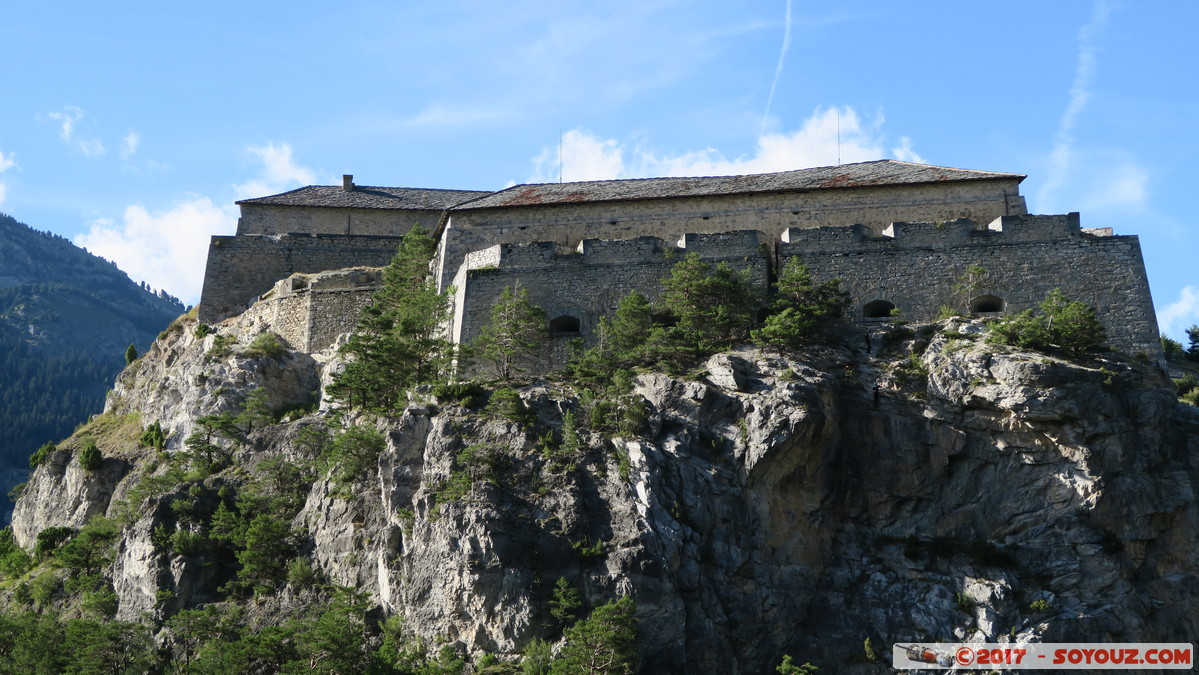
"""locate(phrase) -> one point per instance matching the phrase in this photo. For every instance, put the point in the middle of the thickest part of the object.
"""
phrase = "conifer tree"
(399, 341)
(799, 306)
(714, 307)
(515, 332)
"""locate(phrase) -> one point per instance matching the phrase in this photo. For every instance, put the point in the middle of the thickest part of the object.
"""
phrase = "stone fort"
(900, 236)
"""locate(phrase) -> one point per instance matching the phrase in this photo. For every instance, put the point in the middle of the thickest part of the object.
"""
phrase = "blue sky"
(131, 128)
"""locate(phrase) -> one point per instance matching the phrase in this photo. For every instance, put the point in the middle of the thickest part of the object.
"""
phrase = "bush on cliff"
(1061, 324)
(799, 307)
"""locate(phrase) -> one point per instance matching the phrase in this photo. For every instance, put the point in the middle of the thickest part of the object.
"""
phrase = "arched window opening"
(877, 309)
(564, 325)
(986, 304)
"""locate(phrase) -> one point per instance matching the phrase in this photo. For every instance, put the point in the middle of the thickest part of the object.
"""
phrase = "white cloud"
(1177, 316)
(164, 248)
(167, 248)
(1061, 157)
(905, 153)
(6, 163)
(830, 136)
(280, 172)
(129, 144)
(67, 120)
(582, 157)
(1118, 186)
(778, 69)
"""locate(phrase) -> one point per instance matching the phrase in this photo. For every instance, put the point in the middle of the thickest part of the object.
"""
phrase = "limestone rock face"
(794, 504)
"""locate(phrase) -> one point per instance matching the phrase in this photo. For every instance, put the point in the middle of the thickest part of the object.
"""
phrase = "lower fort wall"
(1023, 262)
(242, 267)
(577, 287)
(915, 267)
(310, 311)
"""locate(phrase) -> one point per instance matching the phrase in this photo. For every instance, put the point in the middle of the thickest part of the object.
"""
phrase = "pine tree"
(515, 332)
(799, 306)
(714, 307)
(399, 341)
(605, 643)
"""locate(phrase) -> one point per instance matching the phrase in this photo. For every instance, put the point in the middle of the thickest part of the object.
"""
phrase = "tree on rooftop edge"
(516, 331)
(399, 341)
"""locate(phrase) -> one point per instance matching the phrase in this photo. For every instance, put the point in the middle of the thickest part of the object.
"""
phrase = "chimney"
(347, 182)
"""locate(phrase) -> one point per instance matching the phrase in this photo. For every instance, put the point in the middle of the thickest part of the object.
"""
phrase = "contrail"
(778, 70)
(1080, 93)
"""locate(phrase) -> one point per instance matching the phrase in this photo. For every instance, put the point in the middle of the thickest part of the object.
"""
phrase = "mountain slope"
(938, 489)
(66, 317)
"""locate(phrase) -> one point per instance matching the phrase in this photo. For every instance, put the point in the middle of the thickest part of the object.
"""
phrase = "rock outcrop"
(937, 489)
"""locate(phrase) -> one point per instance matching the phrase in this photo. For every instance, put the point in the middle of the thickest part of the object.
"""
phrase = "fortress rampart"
(310, 311)
(270, 219)
(903, 237)
(577, 286)
(241, 268)
(919, 268)
(472, 227)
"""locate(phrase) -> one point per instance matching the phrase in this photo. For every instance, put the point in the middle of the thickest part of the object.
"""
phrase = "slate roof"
(863, 174)
(364, 197)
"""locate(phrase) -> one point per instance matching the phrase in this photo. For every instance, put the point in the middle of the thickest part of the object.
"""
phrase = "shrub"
(41, 454)
(1062, 325)
(465, 394)
(266, 345)
(187, 544)
(301, 575)
(43, 588)
(1040, 606)
(222, 346)
(130, 354)
(506, 404)
(353, 452)
(202, 330)
(14, 561)
(154, 436)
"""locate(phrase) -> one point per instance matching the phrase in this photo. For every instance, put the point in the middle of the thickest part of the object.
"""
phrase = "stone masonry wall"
(242, 267)
(922, 267)
(588, 282)
(311, 311)
(275, 219)
(771, 214)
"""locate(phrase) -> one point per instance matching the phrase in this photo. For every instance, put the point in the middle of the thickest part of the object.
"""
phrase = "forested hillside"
(66, 318)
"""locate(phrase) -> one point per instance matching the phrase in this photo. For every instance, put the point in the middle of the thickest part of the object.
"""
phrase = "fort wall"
(922, 267)
(770, 213)
(575, 287)
(242, 267)
(310, 311)
(278, 219)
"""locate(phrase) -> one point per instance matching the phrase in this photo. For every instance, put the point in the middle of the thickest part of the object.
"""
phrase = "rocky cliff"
(823, 504)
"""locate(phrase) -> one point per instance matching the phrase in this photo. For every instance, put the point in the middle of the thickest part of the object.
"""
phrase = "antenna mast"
(838, 137)
(560, 168)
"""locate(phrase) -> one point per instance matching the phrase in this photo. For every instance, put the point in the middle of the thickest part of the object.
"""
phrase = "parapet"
(940, 234)
(725, 245)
